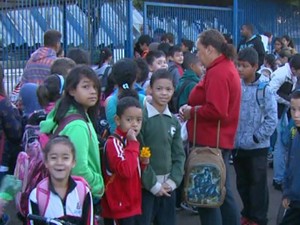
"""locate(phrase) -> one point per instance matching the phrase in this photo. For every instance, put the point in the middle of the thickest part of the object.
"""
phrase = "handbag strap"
(195, 129)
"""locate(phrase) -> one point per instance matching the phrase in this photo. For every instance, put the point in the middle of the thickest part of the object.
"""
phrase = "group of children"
(132, 187)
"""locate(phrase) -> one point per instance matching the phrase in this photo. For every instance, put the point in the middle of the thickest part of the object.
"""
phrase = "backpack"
(205, 175)
(260, 95)
(43, 192)
(174, 103)
(103, 128)
(30, 168)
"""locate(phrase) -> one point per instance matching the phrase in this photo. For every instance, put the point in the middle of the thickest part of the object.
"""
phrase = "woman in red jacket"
(218, 96)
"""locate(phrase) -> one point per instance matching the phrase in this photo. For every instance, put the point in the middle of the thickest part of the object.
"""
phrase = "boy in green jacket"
(161, 133)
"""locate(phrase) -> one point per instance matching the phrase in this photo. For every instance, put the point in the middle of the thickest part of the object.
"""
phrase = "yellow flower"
(145, 153)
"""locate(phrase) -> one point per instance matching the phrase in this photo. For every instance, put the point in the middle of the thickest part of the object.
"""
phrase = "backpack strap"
(43, 195)
(184, 85)
(105, 159)
(260, 94)
(81, 187)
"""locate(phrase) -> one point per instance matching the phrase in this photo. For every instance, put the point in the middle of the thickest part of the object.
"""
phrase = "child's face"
(158, 63)
(60, 161)
(177, 57)
(295, 111)
(131, 119)
(246, 70)
(184, 48)
(198, 68)
(85, 93)
(162, 91)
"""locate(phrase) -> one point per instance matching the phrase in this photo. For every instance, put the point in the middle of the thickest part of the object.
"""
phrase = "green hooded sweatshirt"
(85, 140)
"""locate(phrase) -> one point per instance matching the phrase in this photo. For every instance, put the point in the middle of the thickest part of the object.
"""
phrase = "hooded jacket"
(188, 76)
(256, 122)
(83, 136)
(38, 66)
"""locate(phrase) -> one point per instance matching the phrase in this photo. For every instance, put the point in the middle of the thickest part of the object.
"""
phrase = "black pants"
(125, 221)
(251, 180)
(291, 216)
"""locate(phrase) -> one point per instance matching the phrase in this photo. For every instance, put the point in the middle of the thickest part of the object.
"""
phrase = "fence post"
(65, 38)
(235, 21)
(130, 28)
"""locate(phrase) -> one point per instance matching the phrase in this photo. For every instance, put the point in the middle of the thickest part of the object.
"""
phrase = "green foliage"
(138, 4)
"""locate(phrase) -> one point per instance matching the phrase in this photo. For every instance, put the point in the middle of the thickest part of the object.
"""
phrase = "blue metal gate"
(89, 24)
(185, 21)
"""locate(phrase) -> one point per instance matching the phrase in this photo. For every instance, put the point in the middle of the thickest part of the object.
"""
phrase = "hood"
(190, 75)
(48, 125)
(29, 98)
(43, 53)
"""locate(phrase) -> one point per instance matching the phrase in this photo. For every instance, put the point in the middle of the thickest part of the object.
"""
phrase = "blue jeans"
(227, 214)
(279, 153)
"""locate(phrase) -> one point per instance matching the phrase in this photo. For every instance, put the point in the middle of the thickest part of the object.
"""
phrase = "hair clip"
(62, 82)
(125, 86)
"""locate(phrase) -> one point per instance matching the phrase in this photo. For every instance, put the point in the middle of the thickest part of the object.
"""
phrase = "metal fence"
(89, 24)
(184, 21)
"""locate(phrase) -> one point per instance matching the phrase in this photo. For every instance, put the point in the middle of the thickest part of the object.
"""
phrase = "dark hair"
(128, 93)
(285, 52)
(248, 55)
(50, 90)
(59, 140)
(278, 39)
(143, 70)
(249, 27)
(52, 38)
(105, 54)
(2, 89)
(161, 74)
(268, 34)
(145, 39)
(74, 77)
(295, 94)
(152, 55)
(290, 40)
(124, 73)
(164, 47)
(62, 66)
(295, 61)
(168, 36)
(270, 59)
(173, 50)
(188, 43)
(79, 56)
(228, 38)
(125, 103)
(189, 59)
(216, 39)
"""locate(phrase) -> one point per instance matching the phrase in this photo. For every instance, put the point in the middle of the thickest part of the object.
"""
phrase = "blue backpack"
(260, 95)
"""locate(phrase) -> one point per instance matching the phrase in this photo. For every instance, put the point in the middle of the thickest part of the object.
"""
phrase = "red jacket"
(219, 95)
(123, 191)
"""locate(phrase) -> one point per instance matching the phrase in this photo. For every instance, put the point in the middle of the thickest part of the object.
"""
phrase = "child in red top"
(122, 172)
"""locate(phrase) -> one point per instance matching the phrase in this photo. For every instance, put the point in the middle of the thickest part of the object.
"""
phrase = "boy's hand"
(185, 112)
(286, 203)
(163, 192)
(131, 135)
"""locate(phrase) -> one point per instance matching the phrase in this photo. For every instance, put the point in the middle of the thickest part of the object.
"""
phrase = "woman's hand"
(185, 112)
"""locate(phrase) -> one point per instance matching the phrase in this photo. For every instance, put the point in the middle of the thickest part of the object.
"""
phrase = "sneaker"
(187, 207)
(244, 221)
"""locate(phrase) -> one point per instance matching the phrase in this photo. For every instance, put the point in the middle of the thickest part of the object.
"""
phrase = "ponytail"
(228, 50)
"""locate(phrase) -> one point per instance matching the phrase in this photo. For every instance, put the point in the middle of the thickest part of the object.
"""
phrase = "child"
(161, 133)
(174, 67)
(144, 42)
(257, 122)
(62, 66)
(80, 97)
(142, 75)
(124, 74)
(186, 45)
(104, 62)
(155, 60)
(64, 192)
(291, 182)
(123, 198)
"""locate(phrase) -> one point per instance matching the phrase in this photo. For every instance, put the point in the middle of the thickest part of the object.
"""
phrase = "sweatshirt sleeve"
(11, 119)
(178, 159)
(277, 80)
(110, 112)
(270, 120)
(86, 166)
(87, 216)
(217, 96)
(123, 160)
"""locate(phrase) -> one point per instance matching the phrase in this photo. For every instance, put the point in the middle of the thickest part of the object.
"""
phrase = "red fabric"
(123, 191)
(180, 70)
(219, 95)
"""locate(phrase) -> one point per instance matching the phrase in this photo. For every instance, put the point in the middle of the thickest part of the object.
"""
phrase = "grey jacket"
(257, 122)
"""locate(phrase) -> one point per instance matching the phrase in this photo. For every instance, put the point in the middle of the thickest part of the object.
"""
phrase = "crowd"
(122, 154)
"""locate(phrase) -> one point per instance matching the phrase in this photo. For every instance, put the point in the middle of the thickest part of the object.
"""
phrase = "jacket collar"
(216, 61)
